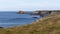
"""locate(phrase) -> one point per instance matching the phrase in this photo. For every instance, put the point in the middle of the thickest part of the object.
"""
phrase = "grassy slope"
(47, 25)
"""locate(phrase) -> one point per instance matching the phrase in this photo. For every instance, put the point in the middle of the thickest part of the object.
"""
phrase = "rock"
(20, 12)
(1, 27)
(35, 17)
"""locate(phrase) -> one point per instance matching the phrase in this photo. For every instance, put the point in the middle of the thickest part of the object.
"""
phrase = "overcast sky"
(29, 5)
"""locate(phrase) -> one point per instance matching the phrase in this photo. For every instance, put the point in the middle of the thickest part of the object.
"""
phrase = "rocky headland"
(40, 12)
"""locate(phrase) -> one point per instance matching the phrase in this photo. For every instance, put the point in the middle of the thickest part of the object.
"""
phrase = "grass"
(46, 25)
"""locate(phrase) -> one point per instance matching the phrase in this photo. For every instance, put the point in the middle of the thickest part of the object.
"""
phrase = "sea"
(10, 19)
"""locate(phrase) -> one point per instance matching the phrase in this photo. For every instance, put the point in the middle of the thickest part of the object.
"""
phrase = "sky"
(29, 5)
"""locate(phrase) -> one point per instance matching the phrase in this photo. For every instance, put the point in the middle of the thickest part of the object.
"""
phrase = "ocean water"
(9, 19)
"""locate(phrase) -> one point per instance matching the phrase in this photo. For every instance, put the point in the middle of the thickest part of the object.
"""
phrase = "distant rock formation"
(40, 12)
(20, 12)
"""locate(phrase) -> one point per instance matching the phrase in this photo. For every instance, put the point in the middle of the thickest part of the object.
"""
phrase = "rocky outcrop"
(24, 12)
(21, 12)
(34, 12)
(40, 12)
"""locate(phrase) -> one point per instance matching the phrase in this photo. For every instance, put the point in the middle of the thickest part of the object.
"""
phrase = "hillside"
(46, 25)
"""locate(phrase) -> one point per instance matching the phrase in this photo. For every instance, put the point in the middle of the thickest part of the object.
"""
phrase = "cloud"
(9, 5)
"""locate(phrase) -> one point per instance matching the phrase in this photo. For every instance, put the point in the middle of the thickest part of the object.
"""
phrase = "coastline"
(47, 25)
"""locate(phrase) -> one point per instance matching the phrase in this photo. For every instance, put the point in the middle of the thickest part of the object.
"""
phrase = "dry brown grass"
(46, 25)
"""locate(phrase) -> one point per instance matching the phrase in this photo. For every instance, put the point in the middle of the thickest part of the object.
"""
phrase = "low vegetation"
(46, 25)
